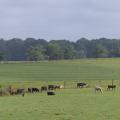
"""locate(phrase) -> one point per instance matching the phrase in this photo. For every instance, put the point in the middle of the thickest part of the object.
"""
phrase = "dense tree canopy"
(40, 49)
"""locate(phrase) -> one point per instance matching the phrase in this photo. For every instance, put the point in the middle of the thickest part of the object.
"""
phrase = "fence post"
(64, 84)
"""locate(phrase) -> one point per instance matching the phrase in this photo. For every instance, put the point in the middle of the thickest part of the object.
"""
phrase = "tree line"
(39, 49)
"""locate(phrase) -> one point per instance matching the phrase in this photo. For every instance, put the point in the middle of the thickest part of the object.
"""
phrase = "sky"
(59, 19)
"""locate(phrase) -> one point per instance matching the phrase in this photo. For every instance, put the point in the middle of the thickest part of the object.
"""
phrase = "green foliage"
(81, 54)
(53, 51)
(36, 53)
(100, 51)
(69, 52)
(17, 49)
(1, 56)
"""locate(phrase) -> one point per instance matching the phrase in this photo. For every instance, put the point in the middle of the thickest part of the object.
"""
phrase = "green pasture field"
(69, 103)
(59, 71)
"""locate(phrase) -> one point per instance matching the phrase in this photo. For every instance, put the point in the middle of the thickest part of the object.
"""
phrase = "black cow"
(35, 90)
(17, 91)
(50, 93)
(43, 88)
(20, 91)
(51, 87)
(113, 87)
(32, 90)
(81, 85)
(57, 86)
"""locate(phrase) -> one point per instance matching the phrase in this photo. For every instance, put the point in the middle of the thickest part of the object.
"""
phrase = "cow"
(61, 86)
(13, 92)
(97, 88)
(35, 90)
(1, 93)
(81, 85)
(57, 86)
(43, 88)
(51, 87)
(8, 89)
(113, 87)
(17, 91)
(32, 90)
(50, 93)
(20, 91)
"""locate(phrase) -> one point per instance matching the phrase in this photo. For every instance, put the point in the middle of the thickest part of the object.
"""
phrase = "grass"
(70, 70)
(68, 104)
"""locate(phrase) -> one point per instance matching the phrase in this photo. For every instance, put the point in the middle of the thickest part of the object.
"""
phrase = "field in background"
(59, 71)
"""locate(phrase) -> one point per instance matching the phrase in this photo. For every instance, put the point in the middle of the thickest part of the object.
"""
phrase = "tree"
(69, 53)
(39, 49)
(54, 52)
(83, 48)
(100, 51)
(81, 53)
(15, 49)
(1, 56)
(36, 53)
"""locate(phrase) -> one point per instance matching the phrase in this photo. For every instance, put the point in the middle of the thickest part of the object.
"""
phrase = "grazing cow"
(57, 86)
(50, 93)
(13, 92)
(7, 89)
(111, 87)
(20, 91)
(51, 87)
(35, 90)
(81, 85)
(17, 91)
(97, 88)
(32, 90)
(43, 88)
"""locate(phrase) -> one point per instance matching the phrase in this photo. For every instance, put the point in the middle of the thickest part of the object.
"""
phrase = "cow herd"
(97, 88)
(46, 88)
(50, 89)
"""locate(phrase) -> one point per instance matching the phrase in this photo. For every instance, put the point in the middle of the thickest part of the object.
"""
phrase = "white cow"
(61, 86)
(98, 88)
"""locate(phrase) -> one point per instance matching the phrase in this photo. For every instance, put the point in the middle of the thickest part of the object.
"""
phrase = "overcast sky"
(59, 19)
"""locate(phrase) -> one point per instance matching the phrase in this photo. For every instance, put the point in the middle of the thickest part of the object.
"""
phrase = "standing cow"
(50, 93)
(52, 87)
(111, 87)
(32, 90)
(81, 85)
(43, 88)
